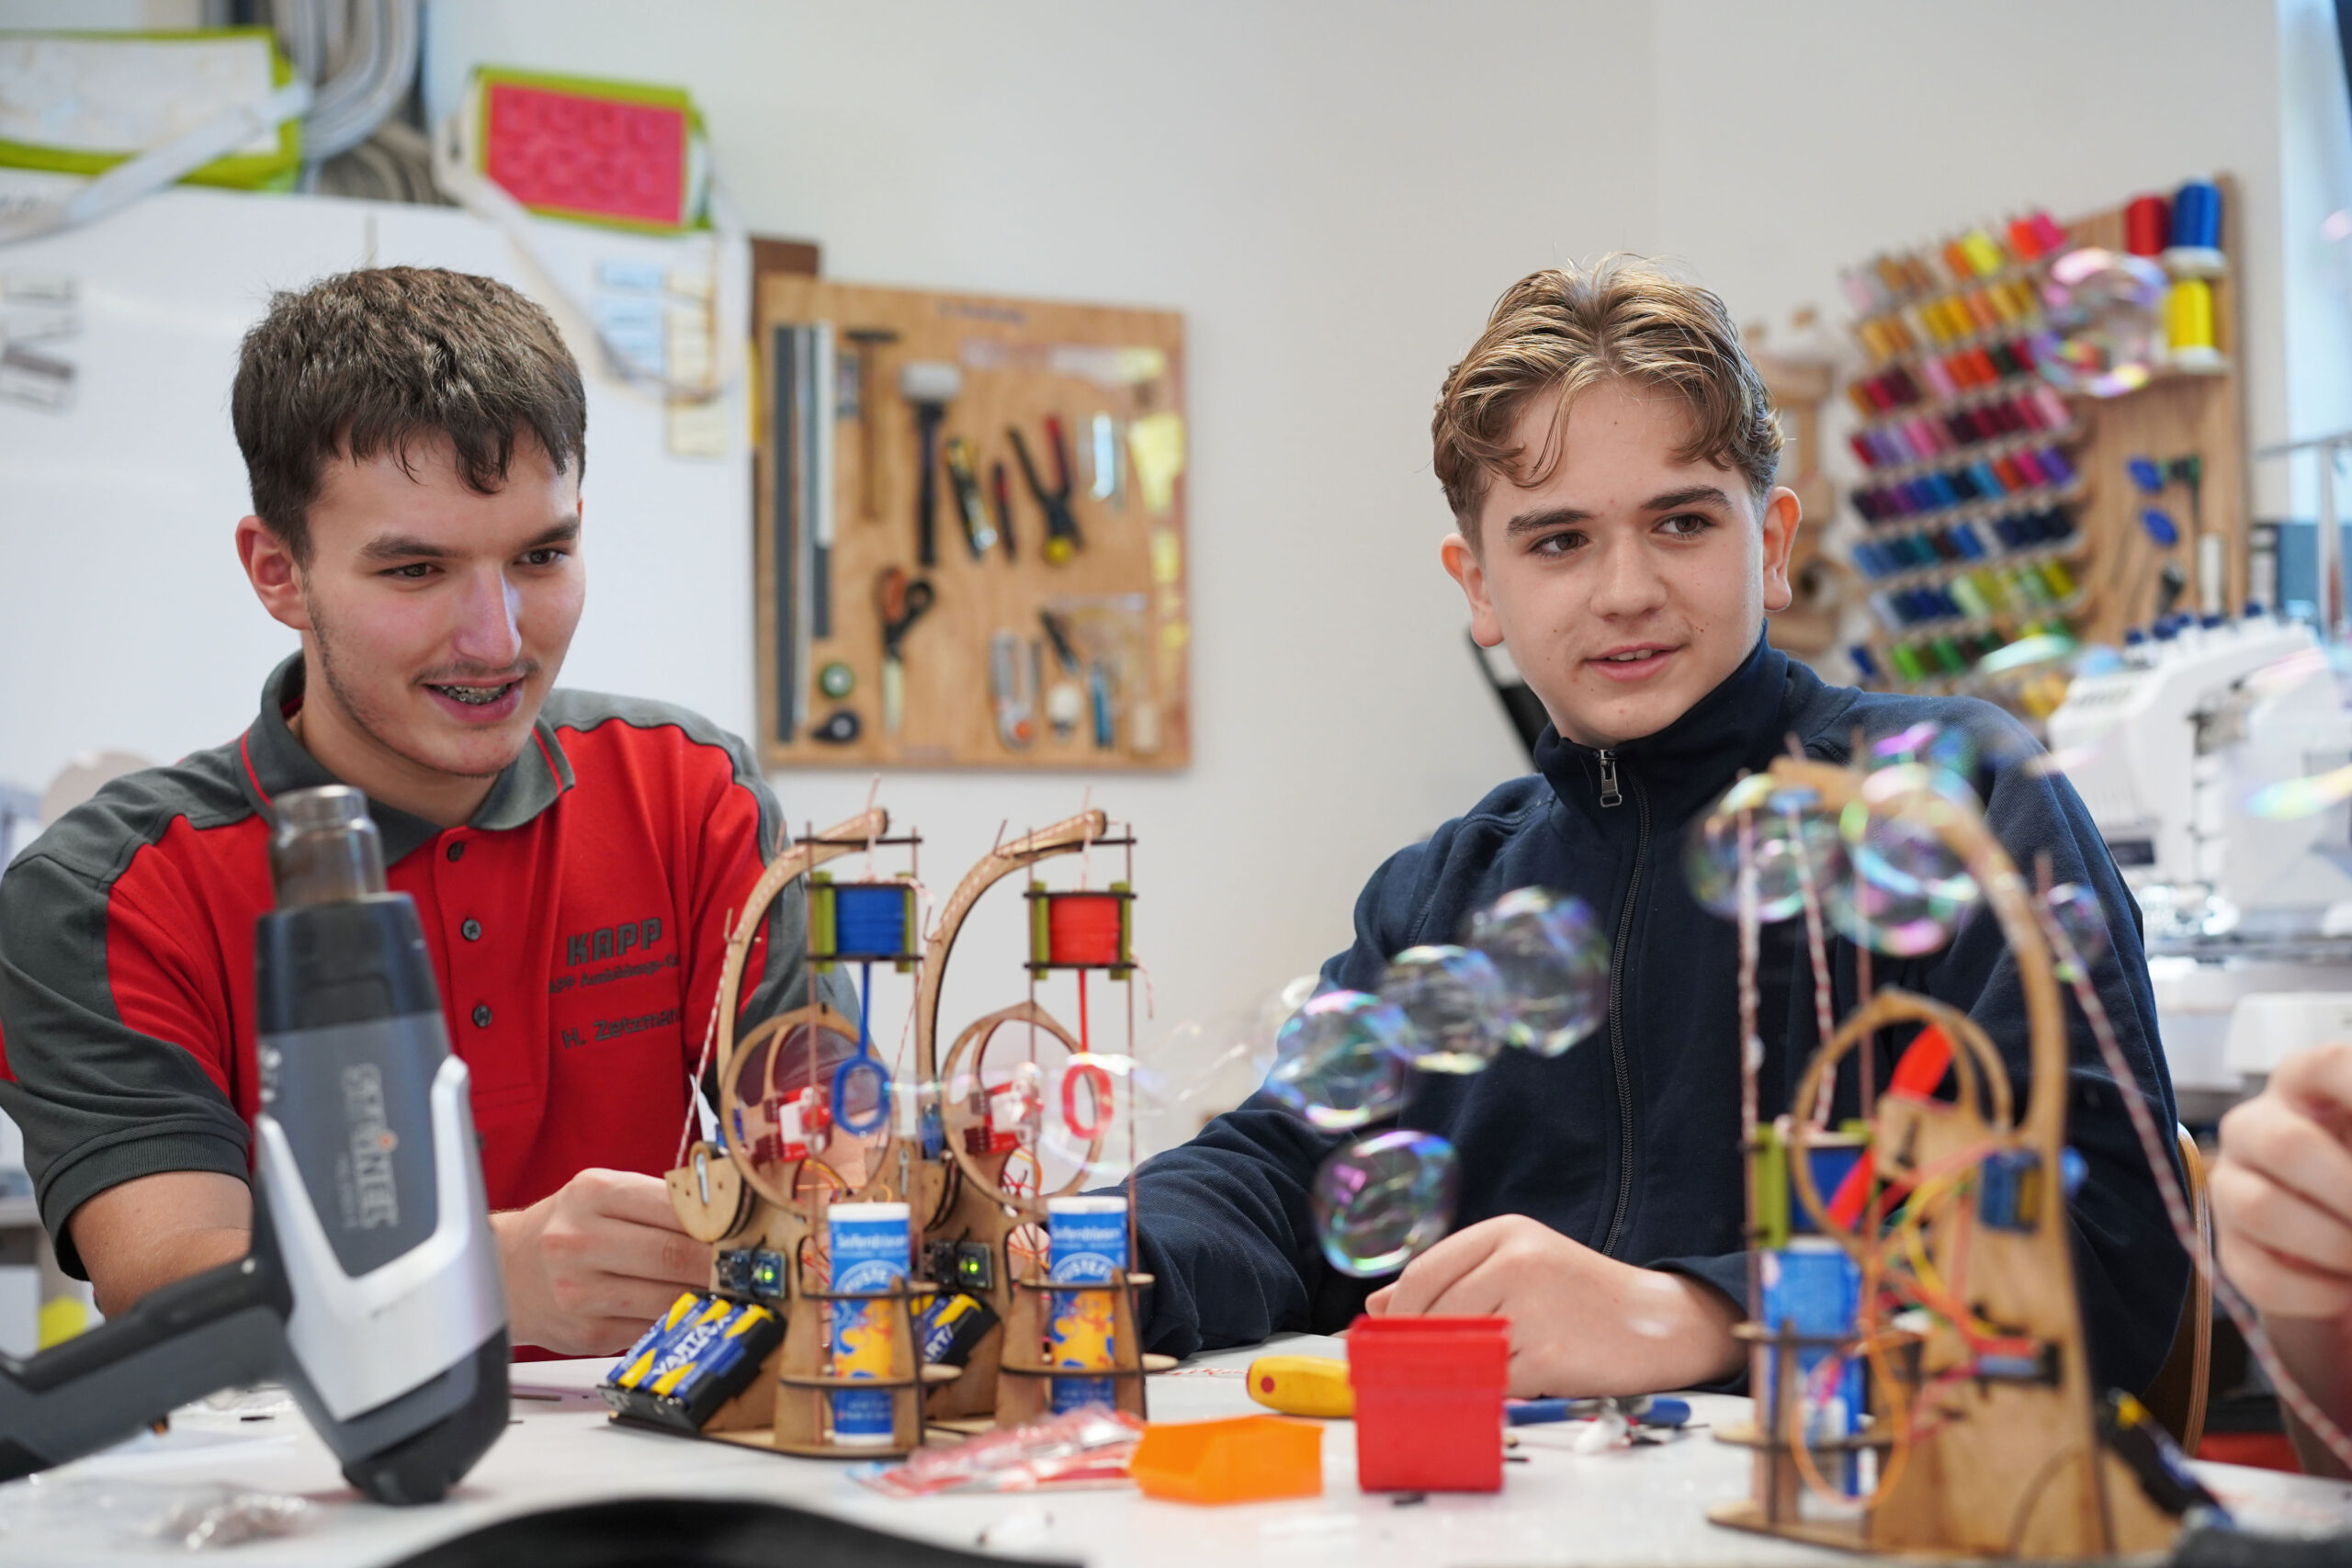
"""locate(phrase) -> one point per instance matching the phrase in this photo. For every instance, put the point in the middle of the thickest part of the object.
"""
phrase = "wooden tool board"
(1121, 594)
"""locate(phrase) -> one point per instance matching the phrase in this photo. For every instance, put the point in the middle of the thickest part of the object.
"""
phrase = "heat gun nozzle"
(326, 849)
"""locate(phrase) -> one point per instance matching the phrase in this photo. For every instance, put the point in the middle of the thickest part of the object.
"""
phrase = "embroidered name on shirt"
(611, 942)
(614, 1027)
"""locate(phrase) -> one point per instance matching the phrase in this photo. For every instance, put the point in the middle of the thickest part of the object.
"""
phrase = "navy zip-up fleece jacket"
(1629, 1142)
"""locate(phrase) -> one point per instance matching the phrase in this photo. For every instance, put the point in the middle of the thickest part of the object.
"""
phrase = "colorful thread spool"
(2188, 325)
(1081, 931)
(867, 922)
(2147, 225)
(2196, 216)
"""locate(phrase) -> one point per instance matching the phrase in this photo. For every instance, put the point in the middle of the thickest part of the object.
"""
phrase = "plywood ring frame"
(796, 861)
(974, 1044)
(814, 1017)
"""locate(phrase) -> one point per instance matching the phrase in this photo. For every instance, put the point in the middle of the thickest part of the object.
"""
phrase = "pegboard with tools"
(970, 549)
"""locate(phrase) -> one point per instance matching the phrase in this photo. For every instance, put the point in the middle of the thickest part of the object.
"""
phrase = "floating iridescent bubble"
(1554, 960)
(2027, 653)
(1342, 1061)
(1453, 999)
(2103, 335)
(2291, 799)
(1906, 745)
(2282, 675)
(1383, 1199)
(1947, 749)
(2077, 909)
(1092, 1103)
(1909, 889)
(1790, 838)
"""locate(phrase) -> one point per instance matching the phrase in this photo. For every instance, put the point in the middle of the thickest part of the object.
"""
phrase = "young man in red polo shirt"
(414, 440)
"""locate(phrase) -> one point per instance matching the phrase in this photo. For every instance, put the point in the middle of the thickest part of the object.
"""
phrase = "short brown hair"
(370, 362)
(1565, 329)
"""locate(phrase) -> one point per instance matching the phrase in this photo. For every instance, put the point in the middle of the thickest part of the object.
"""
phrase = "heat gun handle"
(218, 1329)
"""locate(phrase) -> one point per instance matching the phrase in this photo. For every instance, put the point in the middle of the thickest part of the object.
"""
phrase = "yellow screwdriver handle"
(1303, 1385)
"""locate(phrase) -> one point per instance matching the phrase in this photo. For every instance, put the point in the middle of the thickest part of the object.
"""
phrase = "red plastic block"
(1429, 1401)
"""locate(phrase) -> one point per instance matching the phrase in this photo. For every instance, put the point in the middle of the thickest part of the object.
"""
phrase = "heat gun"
(372, 1287)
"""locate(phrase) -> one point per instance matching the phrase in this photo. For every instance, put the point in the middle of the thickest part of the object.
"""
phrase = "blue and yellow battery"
(701, 1353)
(949, 1325)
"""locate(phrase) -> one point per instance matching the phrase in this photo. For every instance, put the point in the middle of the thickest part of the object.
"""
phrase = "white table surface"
(1621, 1506)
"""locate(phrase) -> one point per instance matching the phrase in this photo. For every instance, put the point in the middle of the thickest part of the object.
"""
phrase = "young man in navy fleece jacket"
(1609, 455)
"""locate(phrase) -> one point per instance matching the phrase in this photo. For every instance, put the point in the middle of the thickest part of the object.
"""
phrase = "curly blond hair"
(1568, 331)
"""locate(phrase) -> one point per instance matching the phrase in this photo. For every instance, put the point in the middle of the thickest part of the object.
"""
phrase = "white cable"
(361, 58)
(158, 166)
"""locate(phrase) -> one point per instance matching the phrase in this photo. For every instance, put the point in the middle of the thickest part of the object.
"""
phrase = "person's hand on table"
(591, 1264)
(1582, 1324)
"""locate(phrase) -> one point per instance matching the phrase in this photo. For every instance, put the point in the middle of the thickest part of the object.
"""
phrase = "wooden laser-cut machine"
(1982, 1417)
(808, 1119)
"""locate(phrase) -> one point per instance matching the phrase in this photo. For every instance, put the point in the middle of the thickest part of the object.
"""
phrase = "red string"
(1084, 928)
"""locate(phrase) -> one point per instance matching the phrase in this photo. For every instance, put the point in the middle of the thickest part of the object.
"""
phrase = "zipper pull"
(1609, 794)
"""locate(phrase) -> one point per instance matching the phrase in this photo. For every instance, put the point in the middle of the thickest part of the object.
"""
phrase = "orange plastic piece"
(1247, 1459)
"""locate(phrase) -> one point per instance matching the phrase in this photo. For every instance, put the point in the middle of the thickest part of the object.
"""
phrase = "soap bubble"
(1093, 1102)
(1554, 961)
(1788, 826)
(1453, 999)
(1342, 1061)
(1947, 751)
(2027, 653)
(2103, 333)
(2077, 909)
(1909, 889)
(2291, 799)
(1205, 1067)
(1382, 1199)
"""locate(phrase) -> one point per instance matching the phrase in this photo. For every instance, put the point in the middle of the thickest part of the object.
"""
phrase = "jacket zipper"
(1609, 797)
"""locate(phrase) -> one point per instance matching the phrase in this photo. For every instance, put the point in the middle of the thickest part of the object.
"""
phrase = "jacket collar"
(1743, 723)
(275, 761)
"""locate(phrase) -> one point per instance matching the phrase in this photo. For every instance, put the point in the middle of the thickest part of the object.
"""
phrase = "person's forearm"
(1679, 1330)
(136, 1273)
(2315, 1351)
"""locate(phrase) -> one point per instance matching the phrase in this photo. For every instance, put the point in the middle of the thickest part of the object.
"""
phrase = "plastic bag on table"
(1087, 1447)
(194, 1516)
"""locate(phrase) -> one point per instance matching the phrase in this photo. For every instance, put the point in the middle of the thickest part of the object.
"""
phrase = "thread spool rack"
(2060, 550)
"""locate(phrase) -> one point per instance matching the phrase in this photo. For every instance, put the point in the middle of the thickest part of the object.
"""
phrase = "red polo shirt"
(577, 925)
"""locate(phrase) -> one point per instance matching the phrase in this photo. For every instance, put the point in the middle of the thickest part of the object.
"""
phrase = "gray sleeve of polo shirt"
(100, 1102)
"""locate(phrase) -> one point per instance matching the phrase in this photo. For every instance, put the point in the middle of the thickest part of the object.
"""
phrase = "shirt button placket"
(454, 852)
